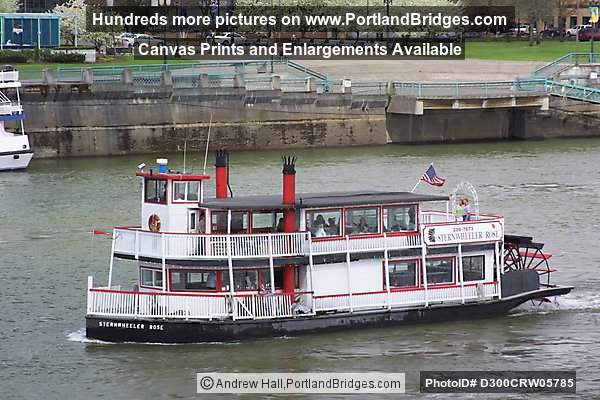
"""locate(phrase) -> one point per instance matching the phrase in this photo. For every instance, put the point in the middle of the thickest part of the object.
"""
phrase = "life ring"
(154, 223)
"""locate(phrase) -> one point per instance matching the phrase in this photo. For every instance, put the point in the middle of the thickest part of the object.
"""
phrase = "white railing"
(9, 76)
(404, 298)
(436, 217)
(136, 242)
(117, 303)
(112, 302)
(358, 244)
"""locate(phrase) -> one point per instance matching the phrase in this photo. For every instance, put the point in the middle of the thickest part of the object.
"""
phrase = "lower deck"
(157, 330)
(360, 282)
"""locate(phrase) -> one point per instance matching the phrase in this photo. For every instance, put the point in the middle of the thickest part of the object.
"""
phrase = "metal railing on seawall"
(563, 63)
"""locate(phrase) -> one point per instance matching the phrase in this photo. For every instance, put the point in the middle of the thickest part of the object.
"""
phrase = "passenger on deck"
(362, 226)
(332, 228)
(467, 208)
(459, 210)
(320, 231)
(280, 225)
(299, 308)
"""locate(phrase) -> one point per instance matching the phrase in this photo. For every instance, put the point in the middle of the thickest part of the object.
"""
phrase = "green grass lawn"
(518, 50)
(548, 50)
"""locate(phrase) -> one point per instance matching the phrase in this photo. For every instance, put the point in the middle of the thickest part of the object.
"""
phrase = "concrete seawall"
(113, 119)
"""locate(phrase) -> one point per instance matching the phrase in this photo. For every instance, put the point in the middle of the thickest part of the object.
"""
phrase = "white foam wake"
(79, 336)
(578, 300)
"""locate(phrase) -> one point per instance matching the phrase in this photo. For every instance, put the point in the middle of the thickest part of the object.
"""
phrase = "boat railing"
(172, 305)
(166, 245)
(405, 297)
(136, 242)
(9, 76)
(440, 217)
(169, 305)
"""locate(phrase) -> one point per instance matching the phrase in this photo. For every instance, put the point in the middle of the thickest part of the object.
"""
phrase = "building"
(29, 30)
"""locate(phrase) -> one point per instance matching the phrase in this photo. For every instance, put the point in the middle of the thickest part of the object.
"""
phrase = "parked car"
(588, 33)
(552, 32)
(143, 38)
(126, 39)
(522, 29)
(227, 38)
(573, 31)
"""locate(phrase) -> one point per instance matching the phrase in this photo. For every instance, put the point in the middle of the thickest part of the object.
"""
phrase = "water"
(546, 189)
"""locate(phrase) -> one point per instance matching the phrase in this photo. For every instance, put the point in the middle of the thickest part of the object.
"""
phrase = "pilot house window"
(156, 191)
(185, 191)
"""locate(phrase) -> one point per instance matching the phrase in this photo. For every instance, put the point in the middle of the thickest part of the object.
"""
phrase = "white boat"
(15, 152)
(230, 268)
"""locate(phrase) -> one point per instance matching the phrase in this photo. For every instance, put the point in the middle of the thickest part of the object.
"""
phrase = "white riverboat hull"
(14, 161)
(15, 152)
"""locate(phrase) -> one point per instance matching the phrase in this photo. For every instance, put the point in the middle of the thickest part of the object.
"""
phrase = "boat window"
(242, 280)
(156, 191)
(399, 219)
(185, 191)
(219, 222)
(267, 222)
(440, 271)
(151, 278)
(265, 278)
(193, 189)
(323, 223)
(402, 273)
(239, 222)
(193, 280)
(362, 220)
(473, 268)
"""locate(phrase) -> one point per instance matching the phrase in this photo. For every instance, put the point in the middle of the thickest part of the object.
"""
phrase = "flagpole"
(413, 189)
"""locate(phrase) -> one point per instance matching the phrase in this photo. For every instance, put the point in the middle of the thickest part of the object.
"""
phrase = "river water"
(549, 189)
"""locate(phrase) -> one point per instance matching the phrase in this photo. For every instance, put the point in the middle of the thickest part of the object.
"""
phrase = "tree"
(8, 6)
(74, 20)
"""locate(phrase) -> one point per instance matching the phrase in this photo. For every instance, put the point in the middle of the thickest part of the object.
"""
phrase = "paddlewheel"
(521, 252)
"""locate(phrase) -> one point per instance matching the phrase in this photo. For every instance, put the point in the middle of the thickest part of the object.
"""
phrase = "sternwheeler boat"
(230, 268)
(15, 152)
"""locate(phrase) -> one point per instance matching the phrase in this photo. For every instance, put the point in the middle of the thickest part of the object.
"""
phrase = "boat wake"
(580, 301)
(79, 336)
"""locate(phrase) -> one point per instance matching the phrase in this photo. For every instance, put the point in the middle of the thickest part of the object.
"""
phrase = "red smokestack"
(289, 217)
(289, 193)
(221, 174)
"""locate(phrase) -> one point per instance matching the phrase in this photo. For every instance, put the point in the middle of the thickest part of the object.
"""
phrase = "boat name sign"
(459, 233)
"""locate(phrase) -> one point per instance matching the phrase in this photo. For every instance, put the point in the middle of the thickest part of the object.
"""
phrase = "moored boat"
(230, 268)
(15, 152)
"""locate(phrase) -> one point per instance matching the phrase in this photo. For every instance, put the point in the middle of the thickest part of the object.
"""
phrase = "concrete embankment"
(98, 118)
(114, 119)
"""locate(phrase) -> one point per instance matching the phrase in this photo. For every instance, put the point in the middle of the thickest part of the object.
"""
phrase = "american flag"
(431, 177)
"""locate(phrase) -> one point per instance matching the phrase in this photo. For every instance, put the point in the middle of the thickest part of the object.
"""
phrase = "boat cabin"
(326, 249)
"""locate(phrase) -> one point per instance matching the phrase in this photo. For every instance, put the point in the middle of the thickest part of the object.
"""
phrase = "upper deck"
(434, 229)
(180, 226)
